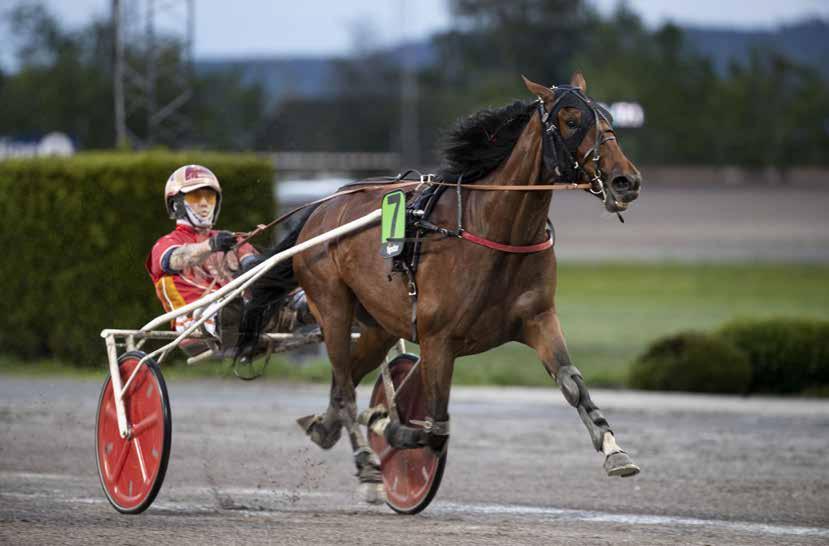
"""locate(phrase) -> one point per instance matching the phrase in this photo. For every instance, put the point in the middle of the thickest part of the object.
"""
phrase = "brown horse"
(471, 298)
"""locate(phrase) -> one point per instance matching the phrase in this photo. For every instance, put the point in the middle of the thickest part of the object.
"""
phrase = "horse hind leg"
(366, 355)
(348, 367)
(325, 429)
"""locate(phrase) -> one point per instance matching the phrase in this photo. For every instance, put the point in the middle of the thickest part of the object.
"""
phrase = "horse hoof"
(312, 426)
(620, 464)
(372, 492)
(305, 423)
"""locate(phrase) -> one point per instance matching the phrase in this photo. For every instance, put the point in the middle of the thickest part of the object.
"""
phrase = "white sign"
(53, 144)
(627, 114)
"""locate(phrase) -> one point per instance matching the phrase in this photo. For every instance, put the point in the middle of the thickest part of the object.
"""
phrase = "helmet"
(184, 180)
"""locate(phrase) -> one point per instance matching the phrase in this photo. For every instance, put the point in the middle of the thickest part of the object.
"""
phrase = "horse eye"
(572, 124)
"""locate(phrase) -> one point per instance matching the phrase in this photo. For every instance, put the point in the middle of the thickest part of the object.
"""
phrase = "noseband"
(561, 154)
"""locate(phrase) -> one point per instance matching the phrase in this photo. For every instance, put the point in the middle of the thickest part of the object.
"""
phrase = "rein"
(424, 179)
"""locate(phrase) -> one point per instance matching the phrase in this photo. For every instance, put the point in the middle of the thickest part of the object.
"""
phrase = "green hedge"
(786, 355)
(780, 356)
(692, 361)
(77, 232)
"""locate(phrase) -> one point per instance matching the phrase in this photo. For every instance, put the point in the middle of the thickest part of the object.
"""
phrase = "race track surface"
(715, 470)
(710, 221)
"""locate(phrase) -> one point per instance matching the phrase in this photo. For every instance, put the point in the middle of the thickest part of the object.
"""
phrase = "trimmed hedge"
(692, 361)
(786, 355)
(78, 231)
(783, 356)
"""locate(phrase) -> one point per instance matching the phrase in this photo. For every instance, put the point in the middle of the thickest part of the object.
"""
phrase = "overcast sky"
(323, 27)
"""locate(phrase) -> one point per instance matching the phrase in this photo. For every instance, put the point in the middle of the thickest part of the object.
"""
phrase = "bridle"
(560, 155)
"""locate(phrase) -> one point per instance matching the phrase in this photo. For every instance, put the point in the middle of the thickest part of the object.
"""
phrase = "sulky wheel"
(132, 470)
(411, 476)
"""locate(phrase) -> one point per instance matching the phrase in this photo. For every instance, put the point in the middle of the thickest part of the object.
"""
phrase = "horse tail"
(269, 290)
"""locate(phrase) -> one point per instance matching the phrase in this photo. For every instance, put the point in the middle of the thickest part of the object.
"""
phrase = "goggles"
(195, 197)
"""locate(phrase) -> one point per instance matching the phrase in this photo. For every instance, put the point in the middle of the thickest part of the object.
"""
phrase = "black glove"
(224, 241)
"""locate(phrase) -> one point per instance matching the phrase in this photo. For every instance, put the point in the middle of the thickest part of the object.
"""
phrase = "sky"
(325, 27)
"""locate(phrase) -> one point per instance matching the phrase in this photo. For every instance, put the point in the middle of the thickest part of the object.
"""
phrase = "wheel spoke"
(140, 377)
(145, 423)
(119, 462)
(140, 455)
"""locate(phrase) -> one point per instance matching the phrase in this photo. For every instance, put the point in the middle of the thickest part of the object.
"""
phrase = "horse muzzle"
(625, 187)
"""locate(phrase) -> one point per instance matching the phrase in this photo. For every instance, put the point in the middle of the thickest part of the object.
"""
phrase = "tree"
(534, 37)
(64, 82)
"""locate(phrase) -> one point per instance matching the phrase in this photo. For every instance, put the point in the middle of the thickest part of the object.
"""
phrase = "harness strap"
(413, 296)
(514, 249)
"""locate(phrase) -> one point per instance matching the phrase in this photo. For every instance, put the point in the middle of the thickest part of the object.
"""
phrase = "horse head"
(579, 143)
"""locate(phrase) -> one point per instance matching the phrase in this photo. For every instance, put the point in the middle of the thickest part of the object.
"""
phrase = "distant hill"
(284, 77)
(806, 43)
(280, 78)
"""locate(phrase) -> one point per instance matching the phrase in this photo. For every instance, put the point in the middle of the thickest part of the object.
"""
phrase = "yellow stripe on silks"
(169, 295)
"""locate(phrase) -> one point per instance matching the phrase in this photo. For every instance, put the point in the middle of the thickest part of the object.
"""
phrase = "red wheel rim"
(411, 476)
(129, 468)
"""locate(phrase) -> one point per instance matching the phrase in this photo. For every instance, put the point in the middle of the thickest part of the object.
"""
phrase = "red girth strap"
(524, 249)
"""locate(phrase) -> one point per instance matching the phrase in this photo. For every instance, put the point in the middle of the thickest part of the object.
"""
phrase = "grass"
(609, 312)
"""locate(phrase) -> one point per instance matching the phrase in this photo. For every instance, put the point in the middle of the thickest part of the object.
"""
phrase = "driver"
(194, 259)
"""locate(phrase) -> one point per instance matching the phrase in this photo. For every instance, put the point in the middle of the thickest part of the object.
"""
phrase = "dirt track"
(709, 221)
(716, 470)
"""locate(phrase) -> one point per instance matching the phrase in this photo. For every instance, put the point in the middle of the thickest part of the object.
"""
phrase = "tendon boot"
(617, 462)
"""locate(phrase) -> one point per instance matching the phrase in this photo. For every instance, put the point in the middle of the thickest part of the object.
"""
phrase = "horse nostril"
(622, 184)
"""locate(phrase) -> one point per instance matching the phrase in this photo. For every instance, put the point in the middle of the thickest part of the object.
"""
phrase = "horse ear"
(545, 93)
(578, 81)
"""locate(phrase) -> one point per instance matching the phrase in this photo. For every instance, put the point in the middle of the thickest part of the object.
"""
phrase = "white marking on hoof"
(609, 445)
(379, 426)
(373, 493)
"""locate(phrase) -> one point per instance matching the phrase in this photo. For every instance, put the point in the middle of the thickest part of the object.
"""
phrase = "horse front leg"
(543, 333)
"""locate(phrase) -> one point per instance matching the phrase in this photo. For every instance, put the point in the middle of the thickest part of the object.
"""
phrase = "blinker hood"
(568, 96)
(559, 153)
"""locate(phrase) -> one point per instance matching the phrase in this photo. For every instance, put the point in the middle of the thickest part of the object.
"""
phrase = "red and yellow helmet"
(184, 180)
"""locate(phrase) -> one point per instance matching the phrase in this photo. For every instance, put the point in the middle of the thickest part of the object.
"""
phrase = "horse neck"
(513, 217)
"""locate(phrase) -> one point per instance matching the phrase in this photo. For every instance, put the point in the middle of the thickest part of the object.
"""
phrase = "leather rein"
(424, 179)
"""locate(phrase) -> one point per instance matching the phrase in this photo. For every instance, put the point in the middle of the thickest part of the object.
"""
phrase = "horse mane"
(479, 143)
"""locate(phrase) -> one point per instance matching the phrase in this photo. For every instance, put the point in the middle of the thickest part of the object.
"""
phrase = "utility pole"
(149, 93)
(121, 139)
(409, 134)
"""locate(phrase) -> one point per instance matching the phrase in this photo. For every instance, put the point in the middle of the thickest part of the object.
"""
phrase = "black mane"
(480, 142)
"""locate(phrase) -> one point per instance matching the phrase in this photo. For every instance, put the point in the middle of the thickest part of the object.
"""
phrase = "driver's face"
(201, 201)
